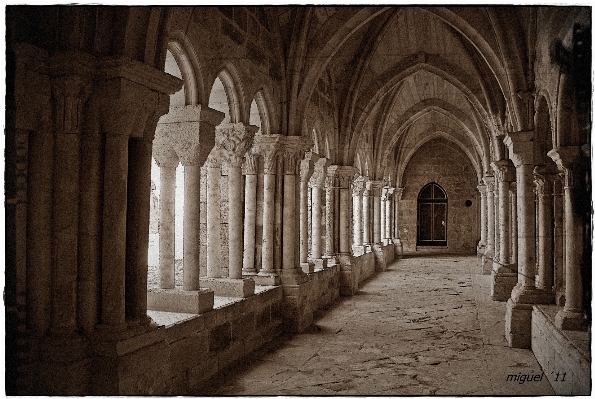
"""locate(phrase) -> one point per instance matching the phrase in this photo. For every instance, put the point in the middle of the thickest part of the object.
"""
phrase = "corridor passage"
(425, 326)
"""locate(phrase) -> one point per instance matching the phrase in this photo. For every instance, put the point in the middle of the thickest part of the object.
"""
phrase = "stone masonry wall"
(441, 161)
(566, 366)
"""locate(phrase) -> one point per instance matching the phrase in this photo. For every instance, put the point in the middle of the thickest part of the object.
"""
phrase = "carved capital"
(307, 166)
(489, 182)
(521, 147)
(358, 186)
(267, 146)
(568, 160)
(164, 153)
(70, 93)
(504, 170)
(345, 175)
(399, 193)
(482, 188)
(331, 175)
(190, 131)
(293, 148)
(387, 192)
(375, 187)
(249, 167)
(319, 174)
(232, 141)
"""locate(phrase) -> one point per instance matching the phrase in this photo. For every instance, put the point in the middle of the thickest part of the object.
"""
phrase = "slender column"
(70, 92)
(306, 170)
(137, 226)
(346, 174)
(316, 184)
(545, 254)
(483, 217)
(496, 256)
(267, 146)
(398, 243)
(190, 131)
(559, 245)
(526, 225)
(383, 216)
(366, 213)
(357, 189)
(389, 195)
(213, 216)
(167, 198)
(489, 182)
(376, 190)
(503, 170)
(513, 224)
(250, 215)
(233, 140)
(572, 317)
(330, 211)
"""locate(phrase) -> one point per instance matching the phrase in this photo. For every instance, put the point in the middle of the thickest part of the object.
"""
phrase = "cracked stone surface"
(426, 326)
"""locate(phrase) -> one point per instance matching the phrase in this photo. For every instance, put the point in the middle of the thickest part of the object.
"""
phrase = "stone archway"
(432, 216)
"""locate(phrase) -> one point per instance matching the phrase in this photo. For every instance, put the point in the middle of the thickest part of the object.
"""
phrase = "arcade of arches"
(185, 184)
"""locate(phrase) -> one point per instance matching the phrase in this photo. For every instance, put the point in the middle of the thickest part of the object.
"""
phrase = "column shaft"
(330, 214)
(213, 222)
(304, 221)
(268, 220)
(366, 216)
(250, 224)
(235, 221)
(526, 225)
(137, 229)
(483, 216)
(191, 228)
(113, 273)
(572, 254)
(490, 219)
(545, 241)
(289, 225)
(357, 220)
(344, 215)
(389, 217)
(382, 218)
(316, 223)
(377, 216)
(504, 222)
(167, 228)
(39, 231)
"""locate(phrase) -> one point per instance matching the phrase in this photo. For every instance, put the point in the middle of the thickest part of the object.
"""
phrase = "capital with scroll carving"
(267, 146)
(504, 170)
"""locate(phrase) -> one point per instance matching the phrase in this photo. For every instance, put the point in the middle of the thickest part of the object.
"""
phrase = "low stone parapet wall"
(564, 356)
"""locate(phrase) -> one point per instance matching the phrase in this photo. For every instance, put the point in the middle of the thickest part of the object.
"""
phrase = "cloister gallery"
(244, 167)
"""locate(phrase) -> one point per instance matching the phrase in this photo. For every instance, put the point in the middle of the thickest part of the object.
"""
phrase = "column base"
(531, 295)
(398, 248)
(266, 278)
(561, 297)
(573, 321)
(307, 267)
(230, 287)
(319, 264)
(293, 277)
(486, 263)
(504, 279)
(358, 250)
(330, 260)
(518, 324)
(249, 272)
(344, 259)
(180, 301)
(380, 257)
(480, 249)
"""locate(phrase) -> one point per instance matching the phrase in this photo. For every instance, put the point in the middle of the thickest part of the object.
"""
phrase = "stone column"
(316, 185)
(487, 258)
(496, 256)
(366, 213)
(357, 190)
(482, 188)
(545, 211)
(513, 225)
(572, 317)
(346, 175)
(69, 92)
(251, 181)
(167, 160)
(520, 305)
(231, 143)
(294, 148)
(559, 245)
(504, 275)
(388, 213)
(376, 191)
(383, 215)
(329, 187)
(397, 239)
(268, 146)
(306, 170)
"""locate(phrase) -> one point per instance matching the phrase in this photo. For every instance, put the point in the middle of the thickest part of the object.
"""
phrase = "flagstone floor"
(426, 326)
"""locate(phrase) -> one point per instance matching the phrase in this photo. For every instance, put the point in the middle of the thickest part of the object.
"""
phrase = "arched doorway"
(432, 212)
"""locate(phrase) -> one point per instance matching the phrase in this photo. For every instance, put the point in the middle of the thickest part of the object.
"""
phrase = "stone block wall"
(565, 362)
(441, 161)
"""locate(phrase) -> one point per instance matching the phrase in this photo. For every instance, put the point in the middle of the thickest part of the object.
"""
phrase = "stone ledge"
(180, 301)
(229, 287)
